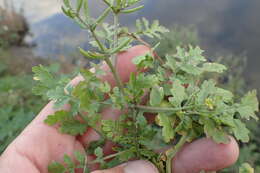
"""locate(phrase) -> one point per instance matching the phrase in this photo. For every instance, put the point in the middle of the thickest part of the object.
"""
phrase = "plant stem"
(85, 164)
(160, 109)
(136, 141)
(115, 74)
(116, 20)
(113, 65)
(101, 46)
(107, 60)
(108, 157)
(148, 45)
(108, 4)
(173, 151)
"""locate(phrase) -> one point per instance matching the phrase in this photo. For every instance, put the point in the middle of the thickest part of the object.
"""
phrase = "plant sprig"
(186, 104)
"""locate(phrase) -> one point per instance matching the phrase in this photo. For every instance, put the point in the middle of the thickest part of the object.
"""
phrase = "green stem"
(101, 46)
(113, 65)
(108, 4)
(160, 109)
(85, 164)
(115, 74)
(173, 151)
(136, 141)
(107, 60)
(116, 20)
(108, 157)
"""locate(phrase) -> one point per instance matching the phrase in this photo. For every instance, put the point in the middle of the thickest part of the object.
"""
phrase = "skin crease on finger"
(40, 144)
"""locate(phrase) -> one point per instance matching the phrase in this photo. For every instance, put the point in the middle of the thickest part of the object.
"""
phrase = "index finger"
(124, 68)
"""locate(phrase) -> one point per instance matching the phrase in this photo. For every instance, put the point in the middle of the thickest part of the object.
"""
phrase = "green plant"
(232, 79)
(18, 108)
(178, 36)
(186, 103)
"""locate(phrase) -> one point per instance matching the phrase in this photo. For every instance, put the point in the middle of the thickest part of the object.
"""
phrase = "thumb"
(138, 166)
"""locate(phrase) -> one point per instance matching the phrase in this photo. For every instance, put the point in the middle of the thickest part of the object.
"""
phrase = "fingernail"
(140, 166)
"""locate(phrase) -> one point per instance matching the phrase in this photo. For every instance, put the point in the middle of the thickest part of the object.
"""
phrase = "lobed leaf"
(249, 105)
(214, 67)
(156, 96)
(168, 132)
(240, 131)
(153, 31)
(178, 93)
(212, 130)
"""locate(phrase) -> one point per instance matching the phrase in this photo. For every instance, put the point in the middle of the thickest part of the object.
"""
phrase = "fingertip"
(138, 166)
(205, 154)
(230, 152)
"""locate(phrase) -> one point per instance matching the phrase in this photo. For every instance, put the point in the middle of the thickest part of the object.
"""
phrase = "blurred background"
(36, 32)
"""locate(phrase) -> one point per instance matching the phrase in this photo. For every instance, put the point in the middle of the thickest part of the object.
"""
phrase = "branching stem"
(107, 60)
(113, 65)
(108, 4)
(101, 46)
(173, 151)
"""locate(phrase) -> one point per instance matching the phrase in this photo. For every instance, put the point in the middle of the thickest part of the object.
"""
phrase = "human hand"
(40, 144)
